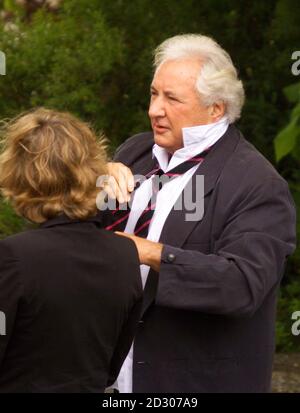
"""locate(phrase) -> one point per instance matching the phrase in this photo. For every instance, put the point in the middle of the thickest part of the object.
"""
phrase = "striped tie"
(159, 178)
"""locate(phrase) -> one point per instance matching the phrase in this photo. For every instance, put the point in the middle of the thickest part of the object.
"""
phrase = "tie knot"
(183, 167)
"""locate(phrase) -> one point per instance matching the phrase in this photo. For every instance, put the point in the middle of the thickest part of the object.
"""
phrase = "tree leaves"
(288, 139)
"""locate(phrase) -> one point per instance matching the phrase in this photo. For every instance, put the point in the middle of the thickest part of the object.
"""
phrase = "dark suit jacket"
(71, 293)
(209, 316)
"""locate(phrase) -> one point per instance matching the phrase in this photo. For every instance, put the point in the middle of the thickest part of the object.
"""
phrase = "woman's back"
(71, 293)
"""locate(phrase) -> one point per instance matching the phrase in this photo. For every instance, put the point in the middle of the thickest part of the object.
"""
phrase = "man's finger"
(122, 181)
(130, 180)
(112, 189)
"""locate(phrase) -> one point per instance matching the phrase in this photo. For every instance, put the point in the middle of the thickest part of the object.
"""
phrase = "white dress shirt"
(195, 139)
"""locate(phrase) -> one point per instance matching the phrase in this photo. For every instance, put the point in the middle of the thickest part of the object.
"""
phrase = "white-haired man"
(210, 279)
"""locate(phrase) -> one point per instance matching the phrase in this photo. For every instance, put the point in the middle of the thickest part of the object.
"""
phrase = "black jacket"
(71, 293)
(209, 315)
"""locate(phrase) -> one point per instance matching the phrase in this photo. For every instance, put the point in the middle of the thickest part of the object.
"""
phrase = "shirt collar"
(195, 140)
(63, 219)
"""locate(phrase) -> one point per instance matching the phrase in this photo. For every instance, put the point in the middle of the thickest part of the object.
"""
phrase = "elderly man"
(211, 278)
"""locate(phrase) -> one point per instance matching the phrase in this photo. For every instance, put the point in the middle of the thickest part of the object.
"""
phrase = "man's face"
(175, 103)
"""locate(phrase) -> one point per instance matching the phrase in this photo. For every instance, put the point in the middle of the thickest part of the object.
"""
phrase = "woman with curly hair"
(70, 291)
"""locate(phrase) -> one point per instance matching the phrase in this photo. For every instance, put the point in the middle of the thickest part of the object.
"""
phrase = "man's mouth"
(158, 128)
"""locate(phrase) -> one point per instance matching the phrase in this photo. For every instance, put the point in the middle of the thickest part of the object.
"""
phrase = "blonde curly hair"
(49, 165)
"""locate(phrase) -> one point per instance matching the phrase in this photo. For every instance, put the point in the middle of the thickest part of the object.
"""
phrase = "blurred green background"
(94, 57)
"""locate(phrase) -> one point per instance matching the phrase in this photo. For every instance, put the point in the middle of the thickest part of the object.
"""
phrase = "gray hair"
(218, 78)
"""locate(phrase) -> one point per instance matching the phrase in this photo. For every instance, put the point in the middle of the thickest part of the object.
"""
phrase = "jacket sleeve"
(10, 294)
(247, 262)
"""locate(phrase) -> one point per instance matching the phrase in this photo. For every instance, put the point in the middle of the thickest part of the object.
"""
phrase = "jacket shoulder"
(249, 165)
(7, 250)
(21, 240)
(134, 147)
(249, 177)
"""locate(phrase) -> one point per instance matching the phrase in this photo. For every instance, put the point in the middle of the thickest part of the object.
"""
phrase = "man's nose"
(156, 107)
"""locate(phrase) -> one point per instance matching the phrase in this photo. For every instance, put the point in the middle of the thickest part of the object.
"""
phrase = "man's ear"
(217, 111)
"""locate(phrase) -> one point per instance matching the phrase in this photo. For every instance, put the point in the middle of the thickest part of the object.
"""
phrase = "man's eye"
(173, 98)
(153, 93)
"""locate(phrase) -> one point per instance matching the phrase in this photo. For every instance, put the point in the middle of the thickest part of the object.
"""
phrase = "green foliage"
(64, 61)
(287, 141)
(10, 223)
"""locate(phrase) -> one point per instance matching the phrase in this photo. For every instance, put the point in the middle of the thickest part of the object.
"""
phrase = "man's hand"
(149, 251)
(120, 182)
